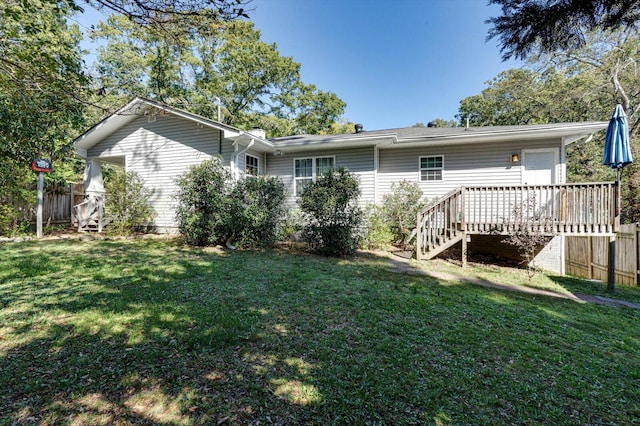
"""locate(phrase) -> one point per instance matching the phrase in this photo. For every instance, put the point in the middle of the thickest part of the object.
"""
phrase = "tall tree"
(527, 26)
(40, 83)
(225, 62)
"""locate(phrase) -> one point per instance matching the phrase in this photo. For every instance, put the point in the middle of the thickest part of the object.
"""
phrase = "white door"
(539, 167)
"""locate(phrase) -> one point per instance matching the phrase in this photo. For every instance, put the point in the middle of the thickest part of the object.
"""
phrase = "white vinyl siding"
(359, 161)
(160, 152)
(431, 168)
(463, 165)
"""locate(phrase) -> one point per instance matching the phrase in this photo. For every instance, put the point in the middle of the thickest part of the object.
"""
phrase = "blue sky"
(394, 62)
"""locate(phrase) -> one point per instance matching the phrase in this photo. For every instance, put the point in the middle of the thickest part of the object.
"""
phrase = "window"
(431, 168)
(305, 170)
(251, 165)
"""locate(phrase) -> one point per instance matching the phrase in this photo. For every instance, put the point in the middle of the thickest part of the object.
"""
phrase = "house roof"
(140, 106)
(389, 138)
(438, 136)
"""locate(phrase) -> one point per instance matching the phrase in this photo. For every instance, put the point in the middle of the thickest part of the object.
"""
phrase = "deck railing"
(571, 209)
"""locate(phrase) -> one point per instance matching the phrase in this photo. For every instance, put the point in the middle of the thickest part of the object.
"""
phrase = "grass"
(150, 332)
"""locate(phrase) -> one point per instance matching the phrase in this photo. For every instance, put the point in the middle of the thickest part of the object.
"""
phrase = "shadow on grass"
(150, 332)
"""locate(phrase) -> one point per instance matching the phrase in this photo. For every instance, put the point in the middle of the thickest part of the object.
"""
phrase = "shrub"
(377, 234)
(332, 215)
(400, 208)
(256, 211)
(290, 225)
(127, 203)
(203, 203)
(212, 209)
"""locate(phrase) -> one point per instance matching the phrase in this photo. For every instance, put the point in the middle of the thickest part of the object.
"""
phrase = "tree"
(542, 25)
(41, 81)
(215, 61)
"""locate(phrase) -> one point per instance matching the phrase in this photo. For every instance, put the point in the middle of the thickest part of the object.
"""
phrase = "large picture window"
(251, 165)
(306, 170)
(431, 168)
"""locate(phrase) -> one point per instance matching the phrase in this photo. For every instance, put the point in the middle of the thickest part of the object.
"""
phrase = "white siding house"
(161, 143)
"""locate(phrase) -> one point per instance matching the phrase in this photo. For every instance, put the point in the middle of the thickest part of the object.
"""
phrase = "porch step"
(434, 251)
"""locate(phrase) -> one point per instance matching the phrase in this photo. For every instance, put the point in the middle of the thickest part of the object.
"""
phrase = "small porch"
(577, 209)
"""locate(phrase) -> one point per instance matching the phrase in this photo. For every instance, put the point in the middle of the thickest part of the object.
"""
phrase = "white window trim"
(313, 169)
(420, 169)
(257, 164)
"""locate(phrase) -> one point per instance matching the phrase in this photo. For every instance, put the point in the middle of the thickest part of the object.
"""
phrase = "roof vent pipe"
(359, 127)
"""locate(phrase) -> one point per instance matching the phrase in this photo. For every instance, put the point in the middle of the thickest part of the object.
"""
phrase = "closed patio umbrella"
(617, 146)
(617, 154)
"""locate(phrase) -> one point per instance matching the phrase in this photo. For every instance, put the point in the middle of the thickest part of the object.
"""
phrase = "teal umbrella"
(617, 154)
(617, 146)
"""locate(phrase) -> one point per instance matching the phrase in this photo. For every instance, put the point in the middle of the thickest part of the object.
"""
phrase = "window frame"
(251, 167)
(314, 169)
(430, 169)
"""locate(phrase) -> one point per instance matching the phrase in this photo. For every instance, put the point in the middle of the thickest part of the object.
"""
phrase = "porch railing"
(572, 209)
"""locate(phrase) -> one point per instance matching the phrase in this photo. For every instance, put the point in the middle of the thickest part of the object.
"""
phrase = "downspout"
(234, 157)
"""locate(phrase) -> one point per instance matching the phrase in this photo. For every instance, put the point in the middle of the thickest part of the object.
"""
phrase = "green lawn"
(150, 332)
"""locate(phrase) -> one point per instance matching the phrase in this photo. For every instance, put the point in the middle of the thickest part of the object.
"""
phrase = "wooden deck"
(567, 209)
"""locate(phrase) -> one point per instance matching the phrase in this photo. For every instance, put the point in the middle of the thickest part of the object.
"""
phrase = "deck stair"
(567, 209)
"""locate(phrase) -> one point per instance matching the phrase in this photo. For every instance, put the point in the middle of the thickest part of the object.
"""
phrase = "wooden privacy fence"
(58, 207)
(588, 257)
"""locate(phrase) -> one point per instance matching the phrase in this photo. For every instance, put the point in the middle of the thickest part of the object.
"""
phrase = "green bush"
(127, 203)
(290, 225)
(400, 209)
(257, 207)
(212, 209)
(332, 215)
(203, 203)
(377, 234)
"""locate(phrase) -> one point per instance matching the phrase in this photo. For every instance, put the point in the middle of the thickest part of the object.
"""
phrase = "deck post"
(464, 249)
(419, 236)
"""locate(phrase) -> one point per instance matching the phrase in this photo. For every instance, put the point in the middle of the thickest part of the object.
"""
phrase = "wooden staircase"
(439, 225)
(557, 209)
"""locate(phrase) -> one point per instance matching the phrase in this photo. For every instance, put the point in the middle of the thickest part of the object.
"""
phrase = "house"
(160, 142)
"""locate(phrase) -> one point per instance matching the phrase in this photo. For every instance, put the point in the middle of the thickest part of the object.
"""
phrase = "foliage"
(17, 196)
(149, 331)
(127, 204)
(540, 25)
(523, 236)
(332, 214)
(438, 122)
(257, 208)
(173, 16)
(400, 208)
(377, 234)
(229, 62)
(290, 224)
(212, 209)
(203, 203)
